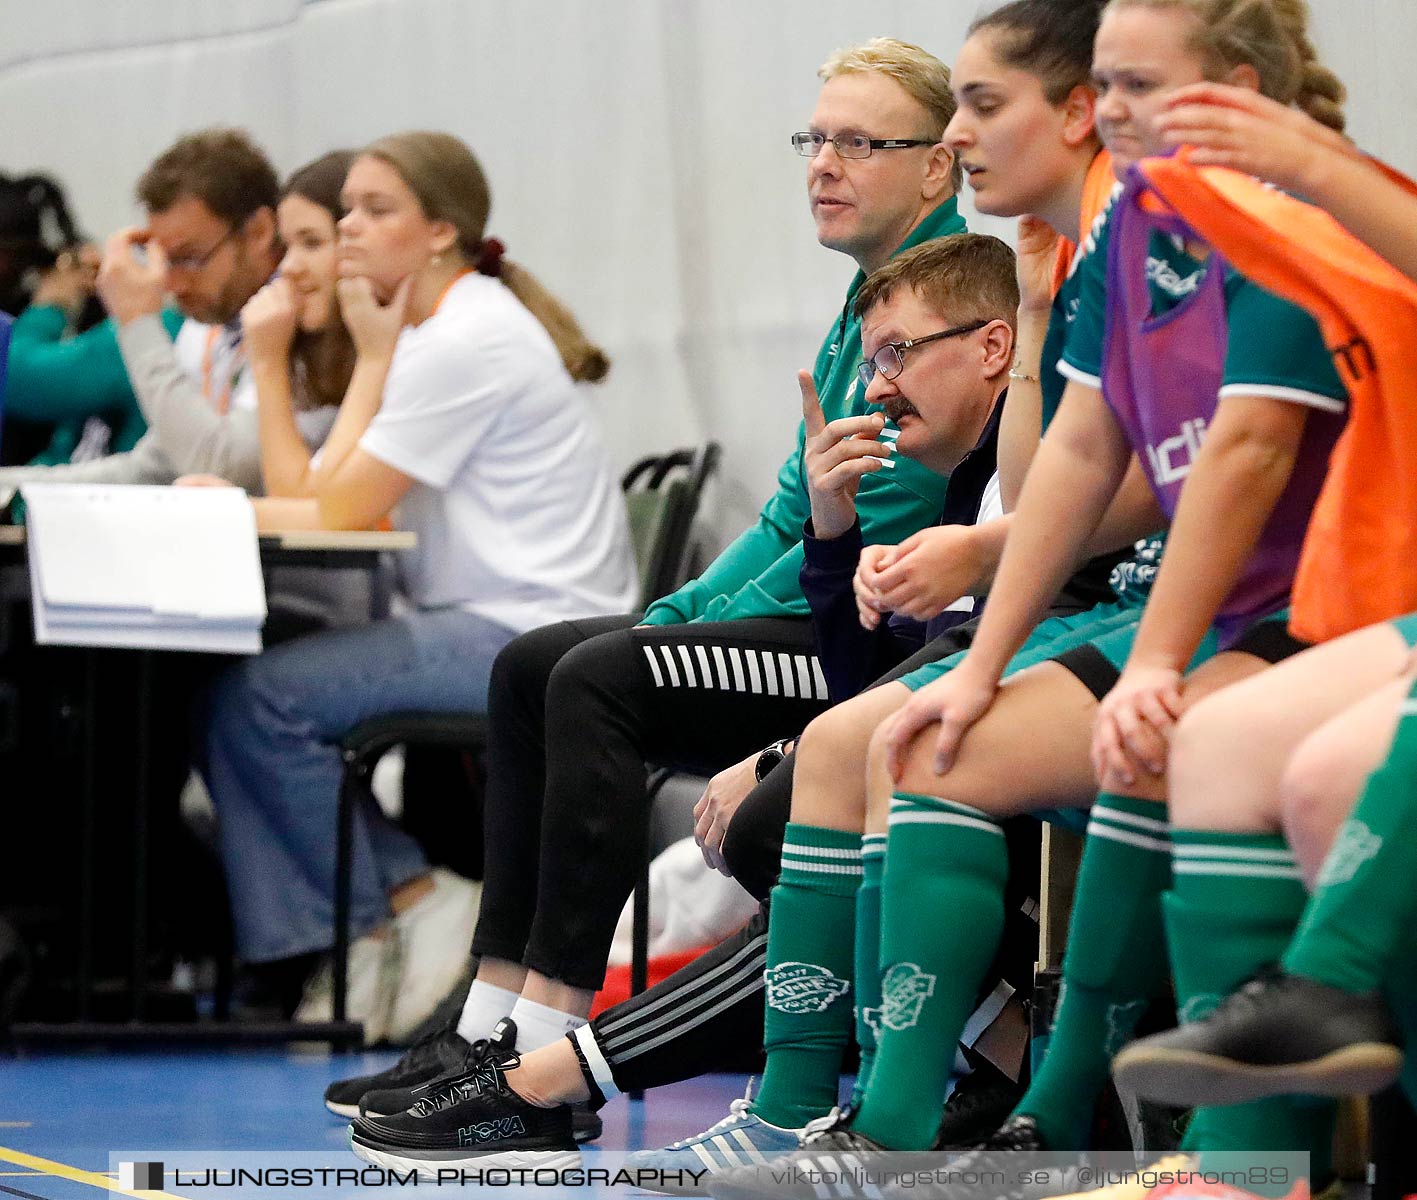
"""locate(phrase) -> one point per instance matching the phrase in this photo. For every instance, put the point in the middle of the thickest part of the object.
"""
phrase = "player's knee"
(1202, 743)
(1313, 791)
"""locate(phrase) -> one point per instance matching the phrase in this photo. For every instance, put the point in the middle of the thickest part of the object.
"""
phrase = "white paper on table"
(146, 567)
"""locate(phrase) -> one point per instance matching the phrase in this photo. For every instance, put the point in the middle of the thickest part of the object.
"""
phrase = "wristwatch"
(770, 757)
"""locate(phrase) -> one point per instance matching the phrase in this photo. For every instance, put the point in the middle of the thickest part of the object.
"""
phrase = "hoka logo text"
(490, 1131)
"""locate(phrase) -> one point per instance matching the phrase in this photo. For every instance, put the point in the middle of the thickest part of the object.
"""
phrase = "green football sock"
(807, 1023)
(1233, 908)
(1364, 901)
(868, 955)
(942, 911)
(1115, 963)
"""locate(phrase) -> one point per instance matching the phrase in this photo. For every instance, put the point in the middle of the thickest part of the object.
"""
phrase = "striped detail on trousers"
(678, 1012)
(736, 669)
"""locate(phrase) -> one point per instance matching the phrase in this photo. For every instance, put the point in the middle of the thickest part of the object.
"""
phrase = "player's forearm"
(1132, 515)
(1021, 425)
(285, 461)
(1368, 204)
(361, 403)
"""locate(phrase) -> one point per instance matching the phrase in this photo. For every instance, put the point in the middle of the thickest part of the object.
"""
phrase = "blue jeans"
(273, 768)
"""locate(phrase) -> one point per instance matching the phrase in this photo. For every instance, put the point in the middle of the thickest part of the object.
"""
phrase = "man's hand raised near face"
(130, 285)
(836, 456)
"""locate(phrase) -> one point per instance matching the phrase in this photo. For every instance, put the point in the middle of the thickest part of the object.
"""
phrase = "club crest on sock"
(1354, 845)
(1121, 1021)
(904, 990)
(798, 987)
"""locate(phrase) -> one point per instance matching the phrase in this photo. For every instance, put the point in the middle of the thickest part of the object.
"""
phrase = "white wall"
(637, 151)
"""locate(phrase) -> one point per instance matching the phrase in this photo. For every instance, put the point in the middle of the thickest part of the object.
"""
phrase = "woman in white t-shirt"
(462, 424)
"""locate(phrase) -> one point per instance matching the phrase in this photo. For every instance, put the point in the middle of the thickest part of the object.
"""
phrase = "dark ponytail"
(1051, 39)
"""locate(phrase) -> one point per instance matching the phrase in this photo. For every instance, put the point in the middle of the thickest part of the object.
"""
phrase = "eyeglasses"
(192, 263)
(852, 145)
(889, 360)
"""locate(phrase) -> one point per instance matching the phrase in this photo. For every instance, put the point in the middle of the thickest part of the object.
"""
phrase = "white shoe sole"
(348, 1111)
(506, 1160)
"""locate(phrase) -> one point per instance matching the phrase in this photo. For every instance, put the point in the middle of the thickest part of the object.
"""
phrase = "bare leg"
(501, 974)
(1327, 772)
(549, 1076)
(1229, 752)
(828, 781)
(1030, 751)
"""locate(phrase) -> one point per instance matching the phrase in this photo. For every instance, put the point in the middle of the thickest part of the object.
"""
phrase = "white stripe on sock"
(653, 666)
(689, 679)
(1105, 812)
(1157, 845)
(1243, 854)
(1235, 869)
(963, 810)
(941, 818)
(819, 851)
(812, 868)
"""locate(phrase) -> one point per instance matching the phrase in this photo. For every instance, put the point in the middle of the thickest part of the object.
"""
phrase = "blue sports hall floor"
(67, 1118)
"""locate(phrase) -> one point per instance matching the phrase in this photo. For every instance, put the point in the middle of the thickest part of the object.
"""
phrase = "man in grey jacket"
(211, 243)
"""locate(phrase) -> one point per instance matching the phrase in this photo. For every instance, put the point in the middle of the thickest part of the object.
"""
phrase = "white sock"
(540, 1025)
(484, 1007)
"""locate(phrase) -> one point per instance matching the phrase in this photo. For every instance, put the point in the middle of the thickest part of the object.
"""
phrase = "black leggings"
(576, 711)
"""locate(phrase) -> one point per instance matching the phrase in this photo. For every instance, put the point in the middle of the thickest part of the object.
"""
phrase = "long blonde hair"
(450, 185)
(1273, 37)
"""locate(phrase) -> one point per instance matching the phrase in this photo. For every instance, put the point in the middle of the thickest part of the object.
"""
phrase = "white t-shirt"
(518, 516)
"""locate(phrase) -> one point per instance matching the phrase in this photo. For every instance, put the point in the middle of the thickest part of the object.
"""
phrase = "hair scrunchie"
(489, 259)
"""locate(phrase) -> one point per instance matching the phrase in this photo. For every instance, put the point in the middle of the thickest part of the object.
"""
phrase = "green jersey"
(757, 575)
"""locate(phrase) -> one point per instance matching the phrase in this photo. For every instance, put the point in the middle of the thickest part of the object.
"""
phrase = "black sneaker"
(1278, 1034)
(980, 1103)
(442, 1052)
(441, 1055)
(471, 1120)
(992, 1158)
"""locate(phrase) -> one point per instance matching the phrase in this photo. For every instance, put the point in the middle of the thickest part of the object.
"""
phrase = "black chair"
(662, 497)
